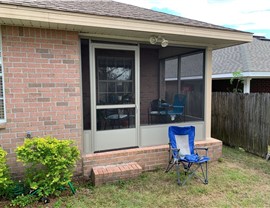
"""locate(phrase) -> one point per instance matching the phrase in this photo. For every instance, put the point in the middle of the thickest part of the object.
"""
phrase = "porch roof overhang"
(120, 28)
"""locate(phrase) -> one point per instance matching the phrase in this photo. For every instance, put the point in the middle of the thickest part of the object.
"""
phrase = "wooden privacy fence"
(242, 120)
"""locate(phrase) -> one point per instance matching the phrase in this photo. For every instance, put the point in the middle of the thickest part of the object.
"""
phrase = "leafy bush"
(49, 163)
(5, 181)
(23, 200)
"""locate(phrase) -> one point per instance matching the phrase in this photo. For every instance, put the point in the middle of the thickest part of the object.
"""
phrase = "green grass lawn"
(237, 180)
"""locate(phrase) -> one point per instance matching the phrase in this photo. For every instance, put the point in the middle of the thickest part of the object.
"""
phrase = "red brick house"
(252, 59)
(86, 70)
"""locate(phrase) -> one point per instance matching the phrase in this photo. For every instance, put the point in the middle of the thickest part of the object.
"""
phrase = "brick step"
(113, 173)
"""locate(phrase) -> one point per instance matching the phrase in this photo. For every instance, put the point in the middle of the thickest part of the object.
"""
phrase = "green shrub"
(49, 163)
(5, 181)
(23, 200)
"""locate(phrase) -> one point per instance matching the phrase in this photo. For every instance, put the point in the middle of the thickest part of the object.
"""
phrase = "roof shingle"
(248, 57)
(112, 9)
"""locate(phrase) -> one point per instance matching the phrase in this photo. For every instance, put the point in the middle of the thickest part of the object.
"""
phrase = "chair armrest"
(178, 106)
(201, 148)
(165, 105)
(172, 149)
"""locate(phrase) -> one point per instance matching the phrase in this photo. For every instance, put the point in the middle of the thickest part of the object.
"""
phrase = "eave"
(120, 28)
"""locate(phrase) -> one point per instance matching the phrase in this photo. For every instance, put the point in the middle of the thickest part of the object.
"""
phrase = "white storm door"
(115, 87)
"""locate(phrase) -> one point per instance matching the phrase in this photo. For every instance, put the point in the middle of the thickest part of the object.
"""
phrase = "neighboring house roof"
(112, 9)
(250, 58)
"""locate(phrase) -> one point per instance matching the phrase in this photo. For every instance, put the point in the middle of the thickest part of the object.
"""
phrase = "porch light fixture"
(164, 43)
(154, 39)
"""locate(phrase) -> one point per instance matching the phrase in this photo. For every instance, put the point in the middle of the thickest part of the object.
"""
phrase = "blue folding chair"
(183, 152)
(178, 107)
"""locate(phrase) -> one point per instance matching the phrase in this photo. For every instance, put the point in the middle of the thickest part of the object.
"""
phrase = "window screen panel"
(2, 113)
(2, 109)
(1, 88)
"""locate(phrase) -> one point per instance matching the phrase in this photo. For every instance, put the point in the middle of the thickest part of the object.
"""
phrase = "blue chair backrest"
(182, 138)
(179, 100)
(179, 104)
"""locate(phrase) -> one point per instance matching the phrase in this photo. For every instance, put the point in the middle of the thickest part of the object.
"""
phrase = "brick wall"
(256, 85)
(149, 80)
(260, 85)
(225, 85)
(148, 158)
(42, 85)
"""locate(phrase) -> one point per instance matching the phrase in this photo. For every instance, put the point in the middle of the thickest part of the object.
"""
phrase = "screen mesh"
(0, 60)
(1, 88)
(2, 115)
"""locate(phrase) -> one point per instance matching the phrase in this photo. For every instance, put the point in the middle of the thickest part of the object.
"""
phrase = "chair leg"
(206, 173)
(191, 174)
(178, 174)
(204, 177)
(170, 165)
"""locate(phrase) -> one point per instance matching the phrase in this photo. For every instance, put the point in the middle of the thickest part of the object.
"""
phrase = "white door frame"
(94, 107)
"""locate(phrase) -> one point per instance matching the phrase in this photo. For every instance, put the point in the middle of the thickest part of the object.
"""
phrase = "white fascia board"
(87, 20)
(245, 75)
(222, 76)
(256, 74)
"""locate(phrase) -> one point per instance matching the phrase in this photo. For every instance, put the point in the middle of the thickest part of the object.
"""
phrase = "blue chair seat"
(194, 158)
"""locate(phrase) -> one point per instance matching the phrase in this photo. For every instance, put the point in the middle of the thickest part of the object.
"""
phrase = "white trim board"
(245, 75)
(3, 81)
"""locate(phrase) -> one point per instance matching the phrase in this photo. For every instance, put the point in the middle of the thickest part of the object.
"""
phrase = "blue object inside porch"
(166, 112)
(178, 106)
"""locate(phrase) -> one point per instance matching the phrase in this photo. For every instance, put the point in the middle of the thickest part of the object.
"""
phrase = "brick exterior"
(149, 158)
(149, 61)
(225, 85)
(42, 85)
(256, 86)
(113, 173)
(260, 85)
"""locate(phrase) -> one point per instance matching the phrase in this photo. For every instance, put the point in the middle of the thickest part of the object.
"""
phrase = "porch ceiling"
(119, 28)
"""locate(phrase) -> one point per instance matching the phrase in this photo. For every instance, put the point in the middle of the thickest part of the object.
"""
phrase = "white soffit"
(119, 27)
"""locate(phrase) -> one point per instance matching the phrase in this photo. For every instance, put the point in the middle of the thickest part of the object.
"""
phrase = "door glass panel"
(119, 118)
(115, 77)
